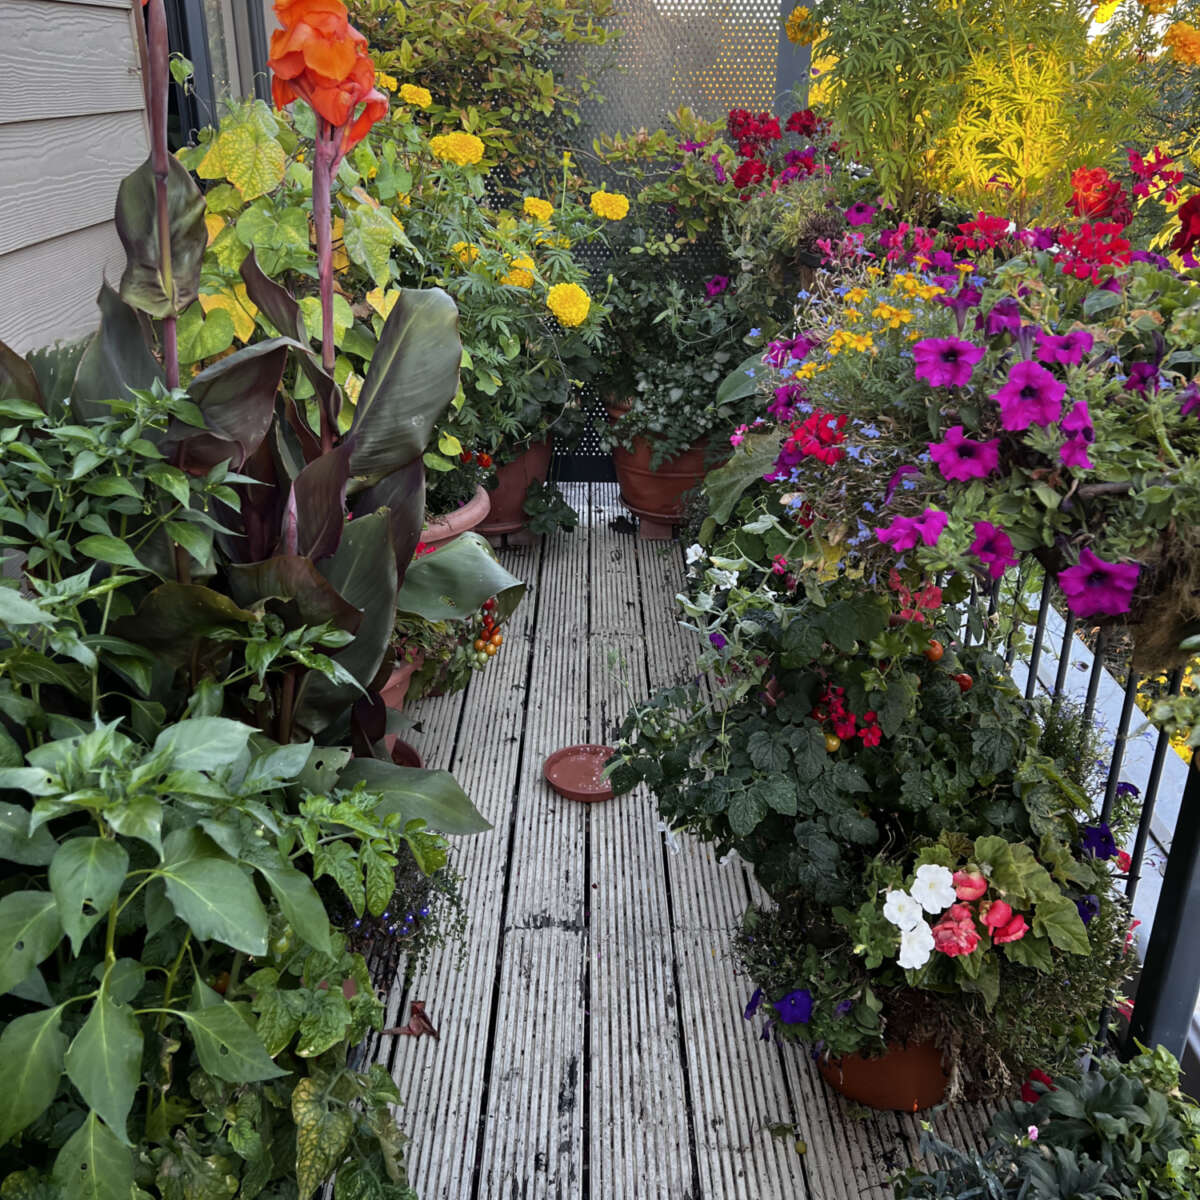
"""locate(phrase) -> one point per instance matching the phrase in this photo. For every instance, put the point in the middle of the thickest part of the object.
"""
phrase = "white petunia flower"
(933, 888)
(723, 579)
(694, 553)
(902, 910)
(916, 945)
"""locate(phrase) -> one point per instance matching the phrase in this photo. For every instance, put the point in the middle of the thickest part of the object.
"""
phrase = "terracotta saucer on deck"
(576, 772)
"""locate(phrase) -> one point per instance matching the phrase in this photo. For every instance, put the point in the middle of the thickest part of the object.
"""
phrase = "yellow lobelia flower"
(411, 94)
(465, 149)
(466, 252)
(1184, 41)
(385, 80)
(538, 209)
(569, 303)
(520, 272)
(612, 206)
(801, 27)
(856, 295)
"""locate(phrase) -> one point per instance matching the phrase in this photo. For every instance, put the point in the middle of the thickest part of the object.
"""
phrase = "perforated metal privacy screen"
(710, 55)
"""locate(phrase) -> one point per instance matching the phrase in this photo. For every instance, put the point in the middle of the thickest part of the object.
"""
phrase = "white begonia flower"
(933, 888)
(916, 945)
(723, 579)
(694, 553)
(902, 910)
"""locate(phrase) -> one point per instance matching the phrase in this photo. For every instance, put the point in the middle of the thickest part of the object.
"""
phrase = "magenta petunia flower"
(1064, 347)
(993, 547)
(959, 457)
(905, 532)
(1031, 396)
(1143, 377)
(1003, 317)
(860, 213)
(963, 299)
(1073, 452)
(946, 362)
(779, 353)
(1096, 588)
(1079, 420)
(787, 396)
(716, 285)
(1190, 397)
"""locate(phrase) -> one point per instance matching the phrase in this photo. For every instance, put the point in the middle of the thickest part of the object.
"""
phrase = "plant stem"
(287, 702)
(156, 104)
(323, 168)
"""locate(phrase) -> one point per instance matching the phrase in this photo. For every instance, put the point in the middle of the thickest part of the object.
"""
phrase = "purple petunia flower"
(1031, 396)
(796, 1007)
(946, 362)
(716, 285)
(1098, 841)
(964, 298)
(993, 547)
(1088, 906)
(860, 213)
(1148, 256)
(780, 353)
(897, 476)
(1003, 317)
(905, 532)
(1125, 788)
(1143, 377)
(1064, 347)
(1040, 237)
(1191, 399)
(1079, 420)
(690, 147)
(718, 640)
(718, 170)
(843, 1007)
(1098, 588)
(1074, 452)
(787, 396)
(959, 457)
(755, 1001)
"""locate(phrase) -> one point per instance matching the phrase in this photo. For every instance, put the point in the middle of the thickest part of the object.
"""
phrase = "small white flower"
(723, 579)
(902, 910)
(694, 553)
(933, 888)
(916, 945)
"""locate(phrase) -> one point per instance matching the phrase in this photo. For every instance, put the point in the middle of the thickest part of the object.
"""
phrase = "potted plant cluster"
(725, 213)
(190, 715)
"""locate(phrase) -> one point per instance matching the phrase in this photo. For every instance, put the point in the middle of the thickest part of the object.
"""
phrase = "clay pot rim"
(448, 525)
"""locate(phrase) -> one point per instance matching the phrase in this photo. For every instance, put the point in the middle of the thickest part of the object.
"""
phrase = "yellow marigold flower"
(856, 295)
(1184, 41)
(385, 80)
(539, 210)
(927, 291)
(808, 370)
(852, 315)
(466, 252)
(569, 303)
(893, 318)
(914, 334)
(411, 94)
(520, 272)
(875, 272)
(964, 268)
(801, 28)
(610, 205)
(465, 149)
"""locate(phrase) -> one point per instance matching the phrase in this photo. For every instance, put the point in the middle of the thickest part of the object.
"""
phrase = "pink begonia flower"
(1014, 931)
(970, 885)
(955, 933)
(996, 913)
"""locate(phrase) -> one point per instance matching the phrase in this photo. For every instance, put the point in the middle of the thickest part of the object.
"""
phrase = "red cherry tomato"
(484, 460)
(964, 681)
(934, 651)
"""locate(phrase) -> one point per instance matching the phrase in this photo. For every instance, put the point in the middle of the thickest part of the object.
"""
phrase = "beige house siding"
(72, 125)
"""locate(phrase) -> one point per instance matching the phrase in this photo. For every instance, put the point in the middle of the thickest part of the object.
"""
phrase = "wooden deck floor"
(592, 1043)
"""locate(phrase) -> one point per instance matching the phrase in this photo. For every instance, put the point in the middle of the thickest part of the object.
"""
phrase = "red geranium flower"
(1189, 225)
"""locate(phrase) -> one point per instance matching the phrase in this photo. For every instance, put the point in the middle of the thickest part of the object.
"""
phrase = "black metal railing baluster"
(1064, 657)
(1039, 635)
(1119, 742)
(1089, 704)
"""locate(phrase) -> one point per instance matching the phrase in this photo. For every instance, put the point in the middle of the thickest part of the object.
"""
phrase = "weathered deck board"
(592, 1046)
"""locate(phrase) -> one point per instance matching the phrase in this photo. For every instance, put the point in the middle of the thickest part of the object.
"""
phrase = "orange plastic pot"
(907, 1078)
(656, 493)
(441, 530)
(512, 482)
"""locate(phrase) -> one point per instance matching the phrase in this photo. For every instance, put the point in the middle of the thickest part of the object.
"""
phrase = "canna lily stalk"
(319, 57)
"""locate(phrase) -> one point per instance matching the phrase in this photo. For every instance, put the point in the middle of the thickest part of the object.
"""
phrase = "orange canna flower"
(320, 57)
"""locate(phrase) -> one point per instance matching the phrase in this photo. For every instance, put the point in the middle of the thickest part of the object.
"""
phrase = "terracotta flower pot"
(512, 482)
(441, 530)
(403, 753)
(907, 1078)
(396, 688)
(655, 493)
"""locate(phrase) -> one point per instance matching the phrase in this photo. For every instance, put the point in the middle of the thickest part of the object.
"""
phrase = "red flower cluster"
(819, 436)
(806, 123)
(749, 173)
(751, 132)
(1029, 1093)
(983, 233)
(1097, 196)
(1094, 246)
(927, 597)
(831, 707)
(1189, 225)
(1151, 174)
